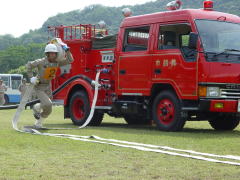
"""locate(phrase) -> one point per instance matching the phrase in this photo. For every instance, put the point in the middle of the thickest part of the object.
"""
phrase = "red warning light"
(208, 5)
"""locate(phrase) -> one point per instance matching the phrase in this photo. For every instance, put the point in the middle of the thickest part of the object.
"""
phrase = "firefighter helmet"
(51, 48)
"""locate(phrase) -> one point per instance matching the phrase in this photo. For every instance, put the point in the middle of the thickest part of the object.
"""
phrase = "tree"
(16, 56)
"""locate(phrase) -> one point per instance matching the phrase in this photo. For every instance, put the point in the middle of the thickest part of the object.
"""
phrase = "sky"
(19, 16)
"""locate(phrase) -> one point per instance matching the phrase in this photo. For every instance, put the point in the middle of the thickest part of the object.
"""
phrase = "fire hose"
(29, 90)
(125, 144)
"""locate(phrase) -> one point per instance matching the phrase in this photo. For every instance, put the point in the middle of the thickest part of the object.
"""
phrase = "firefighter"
(3, 88)
(46, 70)
(22, 87)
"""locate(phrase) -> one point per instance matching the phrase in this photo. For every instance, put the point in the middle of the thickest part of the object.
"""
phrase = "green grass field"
(25, 156)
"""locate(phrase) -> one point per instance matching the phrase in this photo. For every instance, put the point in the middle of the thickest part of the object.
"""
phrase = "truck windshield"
(220, 40)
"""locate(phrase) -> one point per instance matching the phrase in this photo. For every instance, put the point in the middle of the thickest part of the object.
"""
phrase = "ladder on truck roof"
(75, 32)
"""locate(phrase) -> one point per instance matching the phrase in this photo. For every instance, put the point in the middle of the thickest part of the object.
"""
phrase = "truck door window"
(167, 40)
(184, 40)
(136, 39)
(176, 37)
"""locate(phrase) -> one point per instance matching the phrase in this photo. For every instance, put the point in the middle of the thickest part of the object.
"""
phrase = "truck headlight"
(213, 92)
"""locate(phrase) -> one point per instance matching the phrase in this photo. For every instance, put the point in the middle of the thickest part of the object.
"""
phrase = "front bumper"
(212, 105)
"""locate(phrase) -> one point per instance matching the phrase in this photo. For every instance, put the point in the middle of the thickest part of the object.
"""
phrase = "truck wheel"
(167, 112)
(135, 120)
(224, 122)
(80, 110)
(97, 118)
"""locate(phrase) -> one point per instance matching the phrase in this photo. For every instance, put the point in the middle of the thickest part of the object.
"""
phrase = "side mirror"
(193, 39)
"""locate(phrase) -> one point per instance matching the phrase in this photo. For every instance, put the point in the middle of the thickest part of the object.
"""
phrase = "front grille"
(230, 93)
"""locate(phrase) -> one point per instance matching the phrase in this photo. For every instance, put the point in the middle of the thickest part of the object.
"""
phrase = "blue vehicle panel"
(14, 98)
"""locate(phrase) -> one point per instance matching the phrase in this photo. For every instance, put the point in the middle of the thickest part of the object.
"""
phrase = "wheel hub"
(78, 108)
(166, 111)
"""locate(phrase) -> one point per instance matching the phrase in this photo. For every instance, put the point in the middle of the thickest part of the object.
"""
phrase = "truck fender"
(167, 85)
(82, 85)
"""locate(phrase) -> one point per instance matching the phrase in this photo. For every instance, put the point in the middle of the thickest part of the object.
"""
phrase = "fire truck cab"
(166, 67)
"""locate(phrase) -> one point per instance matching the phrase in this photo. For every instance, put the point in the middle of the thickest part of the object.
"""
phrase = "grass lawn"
(24, 156)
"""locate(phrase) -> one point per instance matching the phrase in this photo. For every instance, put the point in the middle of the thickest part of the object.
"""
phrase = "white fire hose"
(224, 159)
(28, 93)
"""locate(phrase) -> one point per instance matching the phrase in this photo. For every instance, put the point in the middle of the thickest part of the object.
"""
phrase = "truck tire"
(80, 109)
(97, 118)
(135, 120)
(167, 112)
(224, 122)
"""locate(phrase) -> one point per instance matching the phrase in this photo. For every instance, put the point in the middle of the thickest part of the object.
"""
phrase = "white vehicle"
(12, 81)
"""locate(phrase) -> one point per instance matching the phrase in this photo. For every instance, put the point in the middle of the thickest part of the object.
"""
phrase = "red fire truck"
(166, 67)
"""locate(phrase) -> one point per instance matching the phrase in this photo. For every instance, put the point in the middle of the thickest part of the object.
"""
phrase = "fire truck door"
(134, 71)
(134, 64)
(174, 62)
